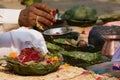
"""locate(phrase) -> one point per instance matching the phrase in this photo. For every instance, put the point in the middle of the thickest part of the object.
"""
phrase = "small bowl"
(57, 31)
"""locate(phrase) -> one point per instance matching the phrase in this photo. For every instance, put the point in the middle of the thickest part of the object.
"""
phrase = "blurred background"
(102, 6)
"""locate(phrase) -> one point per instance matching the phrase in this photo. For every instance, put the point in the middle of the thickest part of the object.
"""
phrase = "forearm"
(9, 16)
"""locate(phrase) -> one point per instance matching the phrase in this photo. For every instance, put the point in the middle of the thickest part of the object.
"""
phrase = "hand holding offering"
(36, 14)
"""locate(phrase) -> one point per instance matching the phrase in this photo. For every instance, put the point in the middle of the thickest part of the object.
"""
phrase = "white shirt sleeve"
(9, 16)
(16, 40)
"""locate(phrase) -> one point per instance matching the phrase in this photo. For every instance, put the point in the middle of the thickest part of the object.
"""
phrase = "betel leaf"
(80, 13)
(80, 16)
(69, 13)
(81, 59)
(66, 41)
(53, 47)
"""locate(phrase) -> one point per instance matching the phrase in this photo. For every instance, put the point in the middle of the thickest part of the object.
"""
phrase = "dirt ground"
(102, 6)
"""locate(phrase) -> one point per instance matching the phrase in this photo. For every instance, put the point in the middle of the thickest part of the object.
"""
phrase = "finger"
(31, 16)
(45, 21)
(22, 18)
(31, 19)
(42, 7)
(32, 23)
(42, 13)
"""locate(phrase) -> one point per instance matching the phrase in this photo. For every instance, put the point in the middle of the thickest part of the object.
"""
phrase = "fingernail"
(51, 23)
(51, 13)
(54, 20)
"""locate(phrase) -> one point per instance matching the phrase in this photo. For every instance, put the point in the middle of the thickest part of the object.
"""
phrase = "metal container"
(110, 45)
(57, 31)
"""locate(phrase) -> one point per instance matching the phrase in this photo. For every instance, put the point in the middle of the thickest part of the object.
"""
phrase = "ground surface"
(102, 6)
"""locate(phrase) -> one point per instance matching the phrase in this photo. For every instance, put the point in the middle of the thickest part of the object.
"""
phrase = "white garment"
(15, 40)
(9, 16)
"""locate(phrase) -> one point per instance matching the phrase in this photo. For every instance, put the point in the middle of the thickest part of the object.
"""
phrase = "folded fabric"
(116, 56)
(15, 40)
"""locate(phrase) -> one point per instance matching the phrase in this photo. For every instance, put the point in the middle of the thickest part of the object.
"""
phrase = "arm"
(27, 17)
(9, 16)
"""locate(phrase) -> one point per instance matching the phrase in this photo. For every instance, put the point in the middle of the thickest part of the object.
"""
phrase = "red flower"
(48, 61)
(29, 54)
(99, 78)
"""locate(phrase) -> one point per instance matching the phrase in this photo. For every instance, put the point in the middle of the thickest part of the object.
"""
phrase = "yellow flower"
(13, 54)
(55, 58)
(66, 65)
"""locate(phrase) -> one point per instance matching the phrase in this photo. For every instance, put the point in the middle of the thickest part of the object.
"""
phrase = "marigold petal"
(13, 54)
(55, 58)
(66, 65)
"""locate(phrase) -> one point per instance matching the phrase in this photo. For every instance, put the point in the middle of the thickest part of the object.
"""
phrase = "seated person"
(97, 38)
(23, 37)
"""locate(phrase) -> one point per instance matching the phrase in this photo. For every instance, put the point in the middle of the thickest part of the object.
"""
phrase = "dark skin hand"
(29, 14)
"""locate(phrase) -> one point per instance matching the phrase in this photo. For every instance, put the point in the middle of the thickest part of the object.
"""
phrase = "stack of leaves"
(80, 16)
(33, 62)
(82, 59)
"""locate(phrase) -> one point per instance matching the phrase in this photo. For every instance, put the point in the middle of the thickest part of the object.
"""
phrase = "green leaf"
(29, 2)
(81, 59)
(80, 13)
(33, 68)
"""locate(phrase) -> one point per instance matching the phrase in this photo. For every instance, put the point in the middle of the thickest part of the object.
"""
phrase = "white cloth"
(15, 40)
(9, 16)
(116, 56)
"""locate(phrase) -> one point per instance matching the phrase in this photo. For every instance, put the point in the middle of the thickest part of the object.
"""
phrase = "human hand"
(38, 11)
